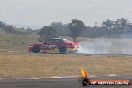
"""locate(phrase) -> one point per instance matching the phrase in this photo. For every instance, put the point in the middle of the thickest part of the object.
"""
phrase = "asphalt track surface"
(56, 83)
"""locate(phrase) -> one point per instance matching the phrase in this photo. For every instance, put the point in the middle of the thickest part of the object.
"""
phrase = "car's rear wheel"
(63, 50)
(36, 49)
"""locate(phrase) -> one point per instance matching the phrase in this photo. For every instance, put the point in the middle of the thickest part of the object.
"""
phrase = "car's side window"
(55, 41)
(49, 41)
(60, 41)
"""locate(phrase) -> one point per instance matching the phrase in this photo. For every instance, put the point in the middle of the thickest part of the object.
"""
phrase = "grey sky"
(43, 12)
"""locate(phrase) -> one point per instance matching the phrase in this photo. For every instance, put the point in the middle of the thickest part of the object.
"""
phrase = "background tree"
(121, 24)
(47, 32)
(58, 27)
(108, 24)
(76, 28)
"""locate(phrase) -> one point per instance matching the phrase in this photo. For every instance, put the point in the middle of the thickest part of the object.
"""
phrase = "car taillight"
(72, 45)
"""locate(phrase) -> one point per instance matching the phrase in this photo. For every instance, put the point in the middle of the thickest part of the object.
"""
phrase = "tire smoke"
(106, 46)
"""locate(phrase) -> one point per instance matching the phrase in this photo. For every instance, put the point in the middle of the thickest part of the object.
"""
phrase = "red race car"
(55, 45)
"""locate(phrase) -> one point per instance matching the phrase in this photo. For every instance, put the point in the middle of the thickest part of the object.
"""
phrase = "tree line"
(7, 28)
(77, 28)
(10, 29)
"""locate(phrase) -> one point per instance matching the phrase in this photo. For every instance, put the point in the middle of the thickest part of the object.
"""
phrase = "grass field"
(13, 42)
(38, 65)
(16, 62)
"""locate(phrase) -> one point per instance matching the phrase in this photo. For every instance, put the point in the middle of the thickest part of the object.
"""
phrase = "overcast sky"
(43, 12)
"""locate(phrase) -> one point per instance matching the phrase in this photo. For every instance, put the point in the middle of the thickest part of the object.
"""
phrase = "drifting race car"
(55, 45)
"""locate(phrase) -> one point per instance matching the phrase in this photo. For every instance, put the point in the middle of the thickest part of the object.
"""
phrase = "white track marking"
(77, 76)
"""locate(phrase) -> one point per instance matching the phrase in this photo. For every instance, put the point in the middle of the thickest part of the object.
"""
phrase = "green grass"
(12, 42)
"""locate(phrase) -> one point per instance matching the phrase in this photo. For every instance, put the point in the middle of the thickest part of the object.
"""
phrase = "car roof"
(56, 38)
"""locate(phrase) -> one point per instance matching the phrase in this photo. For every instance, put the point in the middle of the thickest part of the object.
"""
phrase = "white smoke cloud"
(106, 46)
